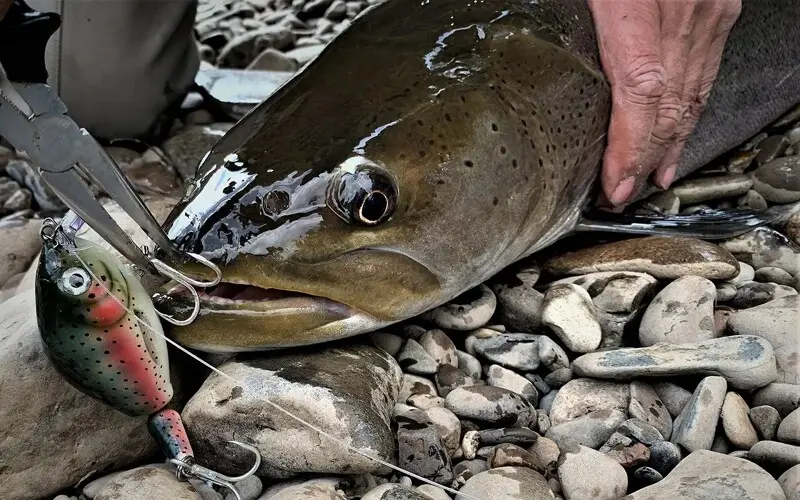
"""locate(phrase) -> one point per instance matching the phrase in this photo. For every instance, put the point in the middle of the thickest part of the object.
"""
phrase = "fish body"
(429, 146)
(87, 306)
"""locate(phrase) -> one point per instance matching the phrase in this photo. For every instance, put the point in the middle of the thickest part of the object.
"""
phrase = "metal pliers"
(34, 120)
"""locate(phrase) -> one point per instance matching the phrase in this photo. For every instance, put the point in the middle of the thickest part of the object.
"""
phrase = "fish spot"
(495, 201)
(514, 163)
(541, 163)
(469, 163)
(494, 127)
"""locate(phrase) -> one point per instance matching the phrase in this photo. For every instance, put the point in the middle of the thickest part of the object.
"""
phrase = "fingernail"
(623, 191)
(666, 179)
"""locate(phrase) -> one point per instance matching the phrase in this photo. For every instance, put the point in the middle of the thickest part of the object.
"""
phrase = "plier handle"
(34, 120)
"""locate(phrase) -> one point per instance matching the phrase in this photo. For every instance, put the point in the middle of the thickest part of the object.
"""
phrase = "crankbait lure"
(100, 330)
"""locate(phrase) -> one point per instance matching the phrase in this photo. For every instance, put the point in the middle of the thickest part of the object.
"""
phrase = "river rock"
(507, 454)
(775, 321)
(188, 146)
(498, 376)
(778, 181)
(590, 430)
(469, 364)
(350, 391)
(472, 309)
(790, 482)
(448, 426)
(673, 396)
(664, 456)
(765, 419)
(695, 427)
(615, 291)
(319, 488)
(586, 473)
(414, 359)
(492, 405)
(507, 483)
(581, 396)
(754, 294)
(393, 491)
(640, 431)
(449, 377)
(736, 422)
(61, 433)
(519, 351)
(569, 312)
(658, 256)
(468, 468)
(752, 200)
(746, 362)
(551, 355)
(789, 428)
(26, 174)
(708, 475)
(783, 397)
(774, 275)
(519, 304)
(19, 244)
(389, 342)
(765, 247)
(439, 346)
(683, 312)
(413, 384)
(775, 455)
(746, 274)
(420, 448)
(711, 188)
(646, 405)
(146, 483)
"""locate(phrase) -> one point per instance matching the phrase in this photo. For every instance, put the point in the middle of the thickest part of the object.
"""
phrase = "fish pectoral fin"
(707, 224)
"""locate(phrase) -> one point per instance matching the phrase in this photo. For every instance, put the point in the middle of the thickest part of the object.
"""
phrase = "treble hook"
(187, 467)
(187, 282)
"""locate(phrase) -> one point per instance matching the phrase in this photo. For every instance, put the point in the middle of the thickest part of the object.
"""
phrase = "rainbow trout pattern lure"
(100, 330)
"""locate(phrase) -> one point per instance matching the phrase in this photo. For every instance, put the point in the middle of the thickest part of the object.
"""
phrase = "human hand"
(661, 58)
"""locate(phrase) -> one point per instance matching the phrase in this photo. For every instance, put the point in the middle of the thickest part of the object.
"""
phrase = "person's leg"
(118, 64)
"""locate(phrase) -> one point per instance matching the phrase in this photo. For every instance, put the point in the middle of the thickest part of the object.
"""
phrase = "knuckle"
(668, 117)
(645, 80)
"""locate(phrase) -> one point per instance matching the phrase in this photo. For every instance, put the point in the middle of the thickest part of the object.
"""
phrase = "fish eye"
(362, 192)
(75, 281)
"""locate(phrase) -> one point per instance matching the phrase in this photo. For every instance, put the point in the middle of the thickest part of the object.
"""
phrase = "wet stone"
(414, 359)
(439, 346)
(498, 376)
(754, 294)
(590, 430)
(745, 361)
(449, 378)
(775, 455)
(771, 148)
(20, 200)
(664, 456)
(736, 422)
(765, 247)
(586, 473)
(789, 428)
(583, 395)
(519, 351)
(472, 309)
(774, 275)
(779, 180)
(507, 454)
(752, 200)
(683, 312)
(765, 419)
(711, 188)
(695, 427)
(507, 483)
(519, 305)
(646, 405)
(616, 291)
(492, 405)
(658, 256)
(419, 447)
(569, 312)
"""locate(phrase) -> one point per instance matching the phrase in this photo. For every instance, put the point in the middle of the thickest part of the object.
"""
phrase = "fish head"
(99, 328)
(336, 209)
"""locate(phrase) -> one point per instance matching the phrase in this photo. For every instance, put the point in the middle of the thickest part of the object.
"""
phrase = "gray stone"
(713, 476)
(468, 468)
(558, 378)
(350, 390)
(765, 247)
(26, 174)
(586, 473)
(538, 382)
(775, 455)
(681, 313)
(752, 200)
(746, 274)
(789, 428)
(469, 364)
(725, 292)
(771, 148)
(776, 321)
(448, 426)
(569, 312)
(19, 245)
(393, 491)
(590, 430)
(439, 346)
(511, 435)
(497, 376)
(790, 482)
(519, 304)
(783, 397)
(449, 377)
(615, 327)
(646, 405)
(320, 488)
(663, 203)
(420, 448)
(472, 309)
(641, 431)
(93, 488)
(507, 483)
(615, 291)
(414, 359)
(546, 402)
(778, 181)
(774, 275)
(583, 395)
(424, 401)
(542, 421)
(519, 351)
(188, 146)
(645, 476)
(146, 483)
(491, 405)
(755, 294)
(249, 488)
(413, 384)
(547, 452)
(695, 427)
(507, 454)
(664, 456)
(745, 361)
(388, 342)
(711, 188)
(765, 419)
(551, 355)
(736, 422)
(273, 60)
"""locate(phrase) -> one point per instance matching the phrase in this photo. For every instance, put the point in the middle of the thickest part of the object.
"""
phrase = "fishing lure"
(101, 332)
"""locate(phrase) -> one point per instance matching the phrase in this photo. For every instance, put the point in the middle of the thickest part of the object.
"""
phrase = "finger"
(705, 58)
(628, 33)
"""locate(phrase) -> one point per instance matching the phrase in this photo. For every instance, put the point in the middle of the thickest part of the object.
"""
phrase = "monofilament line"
(266, 400)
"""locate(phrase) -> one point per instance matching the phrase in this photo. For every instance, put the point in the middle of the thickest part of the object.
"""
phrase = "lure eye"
(362, 193)
(75, 281)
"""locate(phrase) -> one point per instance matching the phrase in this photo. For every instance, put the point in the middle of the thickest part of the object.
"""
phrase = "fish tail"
(166, 427)
(708, 224)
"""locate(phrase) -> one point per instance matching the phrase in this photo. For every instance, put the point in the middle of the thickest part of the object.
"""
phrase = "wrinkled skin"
(495, 111)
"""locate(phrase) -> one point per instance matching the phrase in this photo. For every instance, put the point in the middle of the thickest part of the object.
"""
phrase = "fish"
(429, 146)
(92, 311)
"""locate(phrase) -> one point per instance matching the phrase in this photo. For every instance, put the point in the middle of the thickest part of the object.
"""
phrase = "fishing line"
(267, 400)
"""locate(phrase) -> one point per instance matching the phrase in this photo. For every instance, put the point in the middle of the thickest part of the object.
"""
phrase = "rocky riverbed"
(638, 368)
